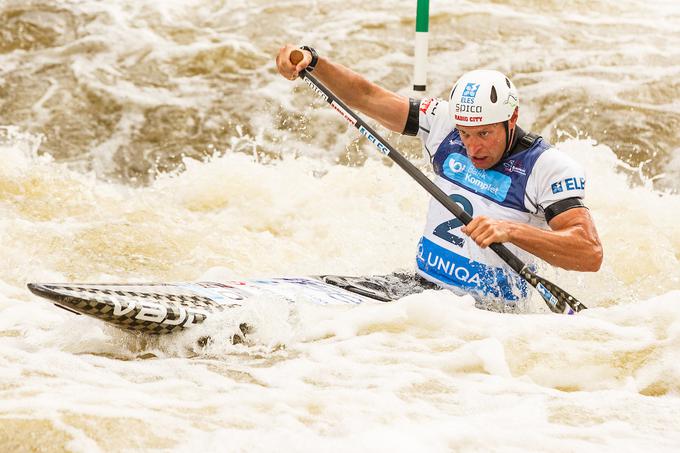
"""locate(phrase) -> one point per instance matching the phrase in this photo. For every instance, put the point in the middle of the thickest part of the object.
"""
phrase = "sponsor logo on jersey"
(425, 104)
(513, 166)
(429, 105)
(456, 270)
(569, 184)
(493, 184)
(575, 184)
(443, 263)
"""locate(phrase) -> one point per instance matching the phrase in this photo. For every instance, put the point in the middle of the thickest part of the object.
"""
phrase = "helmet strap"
(509, 140)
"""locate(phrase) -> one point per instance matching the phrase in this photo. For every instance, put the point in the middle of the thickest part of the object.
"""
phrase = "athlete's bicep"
(571, 218)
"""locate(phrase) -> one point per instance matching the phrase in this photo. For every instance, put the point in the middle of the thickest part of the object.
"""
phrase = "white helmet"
(482, 97)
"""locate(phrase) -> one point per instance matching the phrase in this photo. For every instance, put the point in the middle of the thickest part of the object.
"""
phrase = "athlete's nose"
(473, 145)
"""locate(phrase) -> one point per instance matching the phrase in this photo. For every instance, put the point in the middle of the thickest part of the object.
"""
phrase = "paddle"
(558, 300)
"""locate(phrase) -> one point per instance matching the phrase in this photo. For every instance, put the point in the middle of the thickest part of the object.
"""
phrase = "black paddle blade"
(558, 300)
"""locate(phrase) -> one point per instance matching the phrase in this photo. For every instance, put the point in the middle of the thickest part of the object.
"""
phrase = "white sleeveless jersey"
(518, 189)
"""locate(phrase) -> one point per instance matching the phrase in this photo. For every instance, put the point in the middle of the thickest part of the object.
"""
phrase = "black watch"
(315, 57)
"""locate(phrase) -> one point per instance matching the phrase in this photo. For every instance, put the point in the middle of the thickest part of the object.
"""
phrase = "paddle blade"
(558, 300)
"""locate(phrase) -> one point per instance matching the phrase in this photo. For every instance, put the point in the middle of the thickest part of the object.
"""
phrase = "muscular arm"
(388, 108)
(572, 243)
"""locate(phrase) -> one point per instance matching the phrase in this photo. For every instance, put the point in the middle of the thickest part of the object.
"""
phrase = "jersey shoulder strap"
(526, 142)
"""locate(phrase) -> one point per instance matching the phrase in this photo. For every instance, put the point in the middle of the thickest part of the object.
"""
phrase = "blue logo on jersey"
(456, 270)
(493, 184)
(569, 184)
(470, 90)
(575, 184)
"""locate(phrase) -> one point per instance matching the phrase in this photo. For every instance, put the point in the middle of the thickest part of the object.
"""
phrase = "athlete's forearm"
(349, 86)
(572, 248)
(388, 108)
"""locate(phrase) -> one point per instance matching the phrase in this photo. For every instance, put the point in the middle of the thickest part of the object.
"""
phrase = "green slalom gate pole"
(422, 31)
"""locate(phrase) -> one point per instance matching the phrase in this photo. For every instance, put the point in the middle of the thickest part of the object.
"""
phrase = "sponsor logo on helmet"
(470, 119)
(465, 108)
(466, 104)
(512, 100)
(470, 90)
(468, 99)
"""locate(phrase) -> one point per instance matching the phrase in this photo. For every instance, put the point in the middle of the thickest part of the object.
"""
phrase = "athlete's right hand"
(284, 65)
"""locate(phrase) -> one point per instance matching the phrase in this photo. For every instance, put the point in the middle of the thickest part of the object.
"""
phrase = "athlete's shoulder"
(434, 112)
(552, 159)
(433, 122)
(433, 106)
(556, 176)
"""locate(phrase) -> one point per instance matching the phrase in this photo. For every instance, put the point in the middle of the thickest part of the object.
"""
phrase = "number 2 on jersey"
(443, 230)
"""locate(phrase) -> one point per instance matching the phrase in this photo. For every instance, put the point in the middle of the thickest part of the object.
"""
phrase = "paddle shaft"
(556, 303)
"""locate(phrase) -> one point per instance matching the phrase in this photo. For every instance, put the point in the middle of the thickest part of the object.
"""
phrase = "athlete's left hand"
(485, 231)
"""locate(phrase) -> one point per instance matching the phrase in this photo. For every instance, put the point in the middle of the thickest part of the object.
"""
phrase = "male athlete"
(519, 190)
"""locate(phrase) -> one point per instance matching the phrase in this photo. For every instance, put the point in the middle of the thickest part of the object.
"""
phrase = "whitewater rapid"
(138, 145)
(427, 372)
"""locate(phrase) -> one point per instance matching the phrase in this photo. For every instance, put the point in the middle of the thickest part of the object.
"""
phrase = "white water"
(427, 373)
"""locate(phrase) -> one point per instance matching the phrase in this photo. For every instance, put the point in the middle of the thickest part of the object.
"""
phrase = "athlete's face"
(485, 145)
